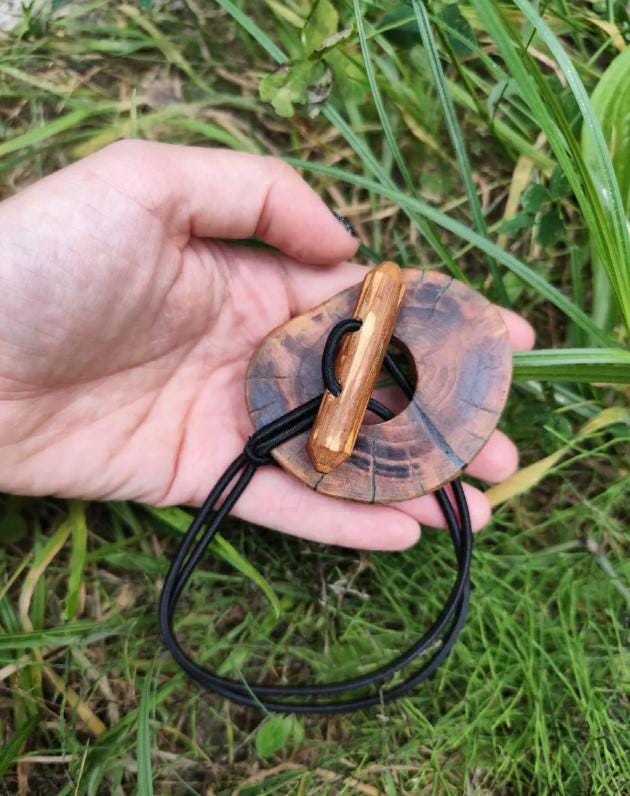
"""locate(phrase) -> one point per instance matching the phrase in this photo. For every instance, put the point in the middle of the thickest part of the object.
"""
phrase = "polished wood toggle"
(358, 363)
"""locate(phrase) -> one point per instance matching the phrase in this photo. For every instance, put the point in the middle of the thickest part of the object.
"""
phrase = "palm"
(135, 338)
(159, 336)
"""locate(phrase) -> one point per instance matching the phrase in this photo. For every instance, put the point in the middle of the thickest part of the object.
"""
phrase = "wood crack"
(264, 406)
(318, 482)
(436, 436)
(373, 452)
(478, 406)
(439, 296)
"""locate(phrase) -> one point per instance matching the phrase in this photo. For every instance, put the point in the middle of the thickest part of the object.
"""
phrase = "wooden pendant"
(461, 351)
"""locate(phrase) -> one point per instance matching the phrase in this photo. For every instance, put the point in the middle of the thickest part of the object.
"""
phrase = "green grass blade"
(38, 135)
(370, 162)
(165, 45)
(248, 24)
(503, 130)
(62, 636)
(575, 336)
(32, 81)
(599, 202)
(523, 271)
(590, 365)
(79, 531)
(378, 100)
(606, 171)
(611, 104)
(457, 139)
(179, 520)
(42, 560)
(13, 747)
(357, 143)
(143, 738)
(212, 132)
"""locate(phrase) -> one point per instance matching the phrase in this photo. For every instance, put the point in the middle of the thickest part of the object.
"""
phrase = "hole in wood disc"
(387, 391)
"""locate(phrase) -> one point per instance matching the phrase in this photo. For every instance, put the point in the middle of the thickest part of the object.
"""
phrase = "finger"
(217, 193)
(312, 286)
(306, 285)
(426, 510)
(277, 500)
(497, 460)
(522, 335)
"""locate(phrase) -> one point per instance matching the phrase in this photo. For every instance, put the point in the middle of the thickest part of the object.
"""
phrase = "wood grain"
(462, 352)
(358, 363)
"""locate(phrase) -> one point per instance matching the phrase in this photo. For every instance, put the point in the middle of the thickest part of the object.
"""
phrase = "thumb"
(218, 193)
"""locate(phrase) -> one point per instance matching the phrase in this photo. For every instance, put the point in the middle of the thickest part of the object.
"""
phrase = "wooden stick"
(358, 364)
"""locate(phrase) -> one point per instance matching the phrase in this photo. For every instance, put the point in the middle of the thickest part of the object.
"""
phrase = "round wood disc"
(461, 350)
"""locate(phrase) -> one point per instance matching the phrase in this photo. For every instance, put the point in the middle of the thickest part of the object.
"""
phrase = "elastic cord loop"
(231, 485)
(333, 341)
(255, 453)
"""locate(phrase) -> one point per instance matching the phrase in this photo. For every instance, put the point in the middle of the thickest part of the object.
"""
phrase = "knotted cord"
(316, 698)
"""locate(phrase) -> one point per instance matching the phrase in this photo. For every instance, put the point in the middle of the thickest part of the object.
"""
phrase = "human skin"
(127, 320)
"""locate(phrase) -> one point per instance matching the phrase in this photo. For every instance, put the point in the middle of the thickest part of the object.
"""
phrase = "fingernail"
(347, 224)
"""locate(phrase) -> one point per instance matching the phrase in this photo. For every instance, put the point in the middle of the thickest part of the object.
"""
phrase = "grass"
(451, 138)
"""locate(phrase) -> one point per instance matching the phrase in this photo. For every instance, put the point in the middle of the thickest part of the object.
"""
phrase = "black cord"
(439, 638)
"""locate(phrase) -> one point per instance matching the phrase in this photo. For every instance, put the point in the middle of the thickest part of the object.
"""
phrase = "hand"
(126, 327)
